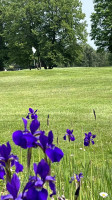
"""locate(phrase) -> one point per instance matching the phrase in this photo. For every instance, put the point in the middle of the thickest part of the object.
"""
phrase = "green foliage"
(3, 48)
(55, 28)
(94, 58)
(89, 59)
(102, 24)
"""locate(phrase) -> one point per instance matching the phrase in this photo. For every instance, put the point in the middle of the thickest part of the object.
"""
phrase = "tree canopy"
(56, 29)
(101, 28)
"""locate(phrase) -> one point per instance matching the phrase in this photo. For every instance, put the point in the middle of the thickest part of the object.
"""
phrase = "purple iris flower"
(89, 137)
(26, 139)
(46, 143)
(32, 113)
(13, 189)
(7, 160)
(36, 183)
(76, 177)
(34, 125)
(34, 189)
(70, 135)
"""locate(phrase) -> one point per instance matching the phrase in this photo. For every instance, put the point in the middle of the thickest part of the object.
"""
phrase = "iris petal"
(55, 155)
(50, 137)
(34, 125)
(30, 140)
(69, 131)
(25, 123)
(19, 167)
(34, 194)
(18, 139)
(5, 151)
(31, 110)
(72, 138)
(53, 188)
(8, 148)
(50, 178)
(86, 142)
(43, 140)
(93, 136)
(39, 183)
(92, 142)
(2, 172)
(25, 140)
(6, 197)
(89, 134)
(35, 168)
(14, 186)
(43, 169)
(64, 137)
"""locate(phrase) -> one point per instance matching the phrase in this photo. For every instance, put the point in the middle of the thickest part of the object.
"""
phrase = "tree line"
(56, 29)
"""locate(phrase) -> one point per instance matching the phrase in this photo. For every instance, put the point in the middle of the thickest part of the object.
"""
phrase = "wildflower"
(32, 113)
(13, 188)
(70, 135)
(46, 144)
(89, 137)
(76, 178)
(103, 194)
(7, 160)
(34, 189)
(26, 139)
(35, 124)
(36, 183)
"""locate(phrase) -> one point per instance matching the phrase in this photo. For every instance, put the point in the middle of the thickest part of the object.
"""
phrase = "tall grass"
(69, 97)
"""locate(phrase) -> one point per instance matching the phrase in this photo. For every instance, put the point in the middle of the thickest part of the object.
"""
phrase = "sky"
(88, 8)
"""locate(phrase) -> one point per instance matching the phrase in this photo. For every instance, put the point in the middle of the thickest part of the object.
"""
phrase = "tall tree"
(94, 58)
(101, 28)
(55, 28)
(65, 31)
(17, 32)
(89, 56)
(3, 48)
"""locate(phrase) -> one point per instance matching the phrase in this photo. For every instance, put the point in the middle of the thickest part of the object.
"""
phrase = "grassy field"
(69, 96)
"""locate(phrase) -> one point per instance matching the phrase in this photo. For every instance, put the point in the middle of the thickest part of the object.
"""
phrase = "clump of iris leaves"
(35, 188)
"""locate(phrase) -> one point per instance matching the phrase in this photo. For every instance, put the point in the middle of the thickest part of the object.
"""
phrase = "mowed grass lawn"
(69, 96)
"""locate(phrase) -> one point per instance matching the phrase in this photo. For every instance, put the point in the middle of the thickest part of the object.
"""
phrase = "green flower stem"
(77, 185)
(8, 172)
(29, 154)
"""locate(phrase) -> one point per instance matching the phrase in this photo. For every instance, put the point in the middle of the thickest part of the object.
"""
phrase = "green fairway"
(69, 96)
